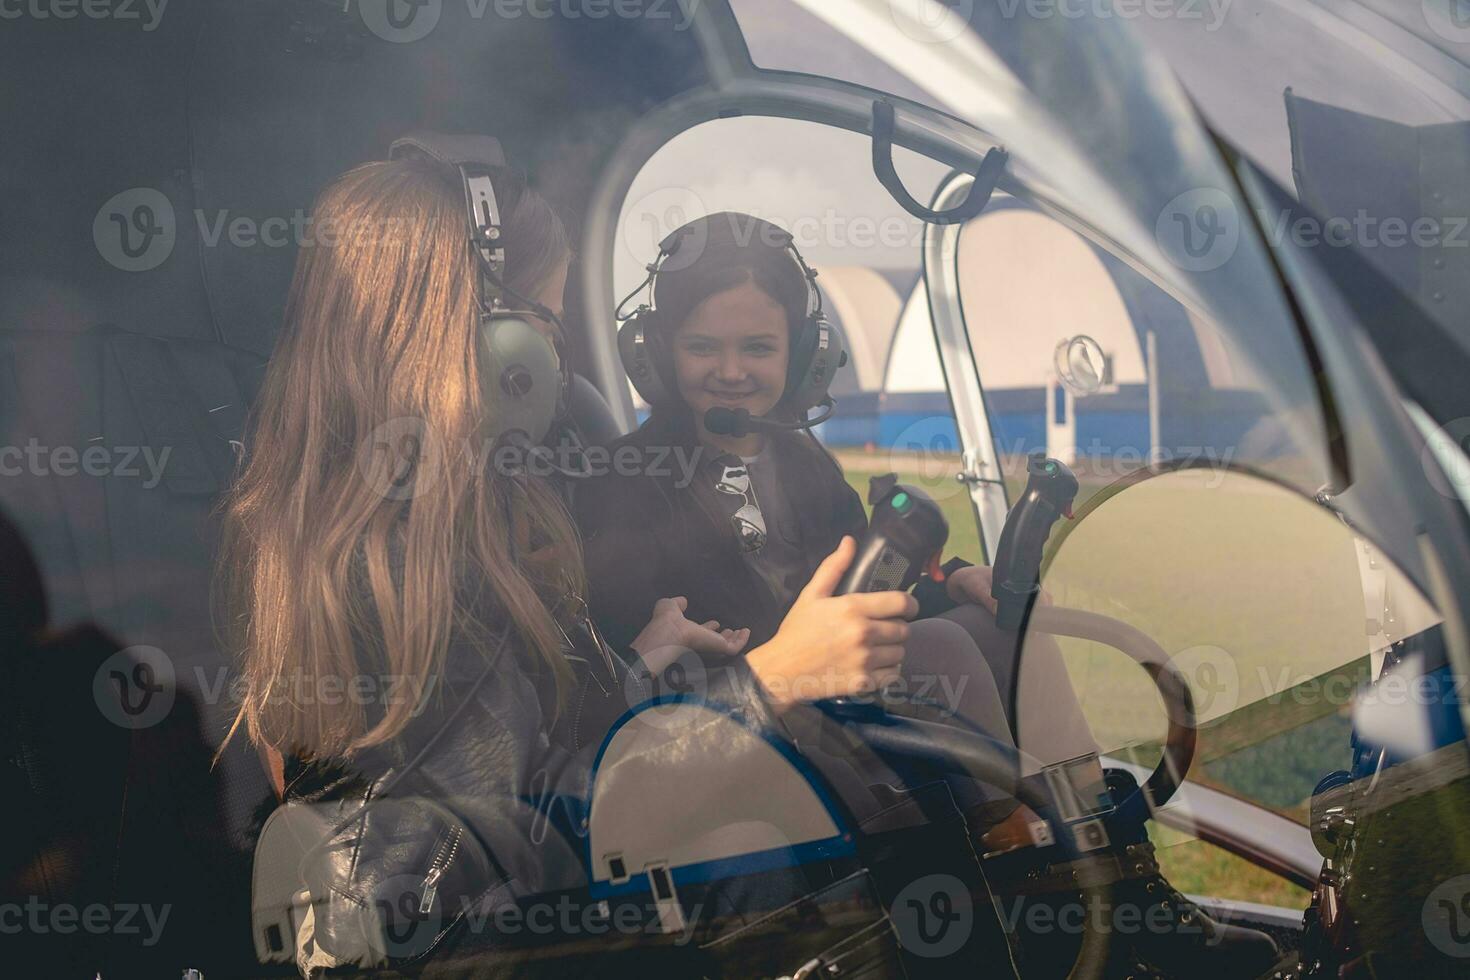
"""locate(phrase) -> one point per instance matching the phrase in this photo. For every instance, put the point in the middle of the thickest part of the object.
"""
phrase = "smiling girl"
(762, 510)
(742, 539)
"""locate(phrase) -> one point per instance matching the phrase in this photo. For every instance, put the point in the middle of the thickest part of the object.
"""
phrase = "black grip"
(1016, 577)
(906, 532)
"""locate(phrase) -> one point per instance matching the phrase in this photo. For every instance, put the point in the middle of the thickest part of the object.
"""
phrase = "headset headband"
(675, 239)
(817, 349)
(524, 377)
(473, 156)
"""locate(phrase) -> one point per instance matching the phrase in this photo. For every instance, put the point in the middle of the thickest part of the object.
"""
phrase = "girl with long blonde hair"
(409, 619)
(333, 567)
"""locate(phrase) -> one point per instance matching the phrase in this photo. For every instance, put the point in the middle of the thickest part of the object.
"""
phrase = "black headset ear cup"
(818, 349)
(803, 346)
(638, 347)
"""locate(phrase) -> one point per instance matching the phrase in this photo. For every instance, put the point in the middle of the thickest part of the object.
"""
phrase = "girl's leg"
(1052, 726)
(943, 665)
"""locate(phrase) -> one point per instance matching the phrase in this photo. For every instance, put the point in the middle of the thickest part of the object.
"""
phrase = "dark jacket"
(647, 537)
(484, 792)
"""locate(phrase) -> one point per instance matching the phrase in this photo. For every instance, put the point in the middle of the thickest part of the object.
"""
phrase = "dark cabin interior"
(227, 109)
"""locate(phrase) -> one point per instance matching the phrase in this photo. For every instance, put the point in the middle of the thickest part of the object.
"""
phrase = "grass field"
(1199, 868)
(1252, 590)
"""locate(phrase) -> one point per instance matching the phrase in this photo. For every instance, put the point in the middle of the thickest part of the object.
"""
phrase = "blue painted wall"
(1106, 424)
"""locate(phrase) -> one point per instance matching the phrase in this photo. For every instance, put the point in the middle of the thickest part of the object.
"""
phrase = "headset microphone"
(739, 422)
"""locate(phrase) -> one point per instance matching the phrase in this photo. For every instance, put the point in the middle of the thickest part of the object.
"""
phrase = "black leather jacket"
(478, 803)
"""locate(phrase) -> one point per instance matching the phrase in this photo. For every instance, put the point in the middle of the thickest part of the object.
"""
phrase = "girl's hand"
(669, 634)
(972, 584)
(830, 646)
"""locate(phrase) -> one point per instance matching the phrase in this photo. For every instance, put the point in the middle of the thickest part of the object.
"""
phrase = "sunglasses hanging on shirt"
(748, 521)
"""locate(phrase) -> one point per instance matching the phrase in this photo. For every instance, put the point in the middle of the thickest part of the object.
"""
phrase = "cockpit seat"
(591, 413)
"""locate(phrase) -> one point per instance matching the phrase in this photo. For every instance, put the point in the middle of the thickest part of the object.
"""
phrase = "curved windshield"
(1129, 161)
(1085, 359)
(1269, 606)
(1360, 113)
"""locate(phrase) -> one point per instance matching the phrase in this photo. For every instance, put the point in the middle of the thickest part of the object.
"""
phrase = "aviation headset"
(817, 348)
(523, 377)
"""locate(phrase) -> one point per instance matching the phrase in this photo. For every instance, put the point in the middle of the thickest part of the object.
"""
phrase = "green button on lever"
(901, 502)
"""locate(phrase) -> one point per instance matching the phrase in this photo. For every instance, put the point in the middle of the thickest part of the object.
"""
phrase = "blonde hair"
(324, 574)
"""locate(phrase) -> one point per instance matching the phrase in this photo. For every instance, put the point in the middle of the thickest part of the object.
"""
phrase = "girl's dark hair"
(540, 241)
(717, 253)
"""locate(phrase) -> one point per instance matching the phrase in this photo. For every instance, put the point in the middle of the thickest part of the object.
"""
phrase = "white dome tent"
(1029, 284)
(865, 306)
